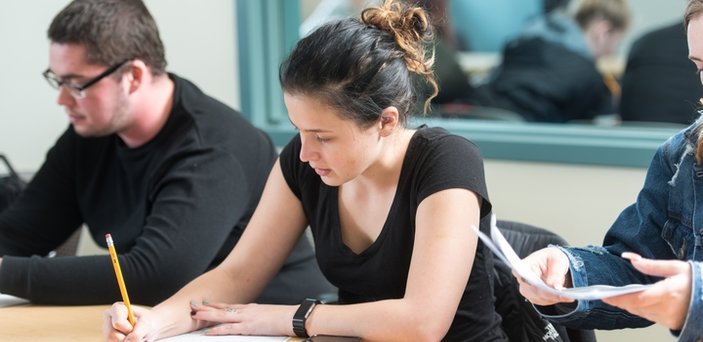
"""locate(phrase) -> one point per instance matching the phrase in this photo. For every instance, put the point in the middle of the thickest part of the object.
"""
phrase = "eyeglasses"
(78, 91)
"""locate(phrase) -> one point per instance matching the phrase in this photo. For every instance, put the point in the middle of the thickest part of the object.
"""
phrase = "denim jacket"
(666, 222)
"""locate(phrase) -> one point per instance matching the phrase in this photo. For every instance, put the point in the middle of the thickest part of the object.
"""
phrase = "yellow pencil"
(118, 274)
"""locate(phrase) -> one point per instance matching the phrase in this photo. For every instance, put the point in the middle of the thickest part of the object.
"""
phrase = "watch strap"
(301, 315)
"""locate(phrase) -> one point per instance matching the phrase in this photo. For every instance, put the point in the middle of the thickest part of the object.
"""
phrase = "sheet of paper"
(500, 246)
(7, 300)
(198, 336)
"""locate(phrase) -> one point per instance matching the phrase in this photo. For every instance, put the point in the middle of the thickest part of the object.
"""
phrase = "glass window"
(268, 29)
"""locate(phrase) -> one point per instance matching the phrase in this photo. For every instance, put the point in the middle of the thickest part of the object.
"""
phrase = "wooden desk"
(33, 323)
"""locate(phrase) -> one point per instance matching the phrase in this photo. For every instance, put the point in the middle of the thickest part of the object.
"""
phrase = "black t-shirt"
(435, 160)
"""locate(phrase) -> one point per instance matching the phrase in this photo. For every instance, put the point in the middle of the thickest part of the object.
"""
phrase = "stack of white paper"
(200, 336)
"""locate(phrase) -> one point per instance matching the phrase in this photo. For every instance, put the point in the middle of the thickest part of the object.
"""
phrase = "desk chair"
(11, 184)
(521, 321)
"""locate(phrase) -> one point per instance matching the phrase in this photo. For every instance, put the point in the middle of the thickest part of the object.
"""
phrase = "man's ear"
(389, 121)
(135, 75)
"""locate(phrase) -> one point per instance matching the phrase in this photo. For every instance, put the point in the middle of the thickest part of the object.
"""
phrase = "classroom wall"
(200, 40)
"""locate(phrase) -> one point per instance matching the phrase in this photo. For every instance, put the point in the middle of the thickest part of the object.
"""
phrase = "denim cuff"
(563, 312)
(579, 277)
(693, 327)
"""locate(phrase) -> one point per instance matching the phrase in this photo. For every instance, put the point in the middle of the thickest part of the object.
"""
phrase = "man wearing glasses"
(172, 174)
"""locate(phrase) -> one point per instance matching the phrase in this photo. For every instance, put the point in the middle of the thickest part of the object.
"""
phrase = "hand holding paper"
(500, 246)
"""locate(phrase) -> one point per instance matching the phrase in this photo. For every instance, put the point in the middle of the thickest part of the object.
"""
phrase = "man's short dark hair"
(111, 31)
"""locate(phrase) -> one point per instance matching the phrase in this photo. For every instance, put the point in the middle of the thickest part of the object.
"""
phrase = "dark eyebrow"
(67, 76)
(315, 130)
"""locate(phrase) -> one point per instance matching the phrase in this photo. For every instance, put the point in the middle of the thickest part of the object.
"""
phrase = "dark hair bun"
(411, 28)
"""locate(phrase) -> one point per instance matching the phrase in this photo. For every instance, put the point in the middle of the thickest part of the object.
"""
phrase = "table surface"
(34, 323)
(38, 323)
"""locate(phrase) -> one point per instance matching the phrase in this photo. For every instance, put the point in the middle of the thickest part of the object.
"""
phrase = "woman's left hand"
(246, 319)
(667, 301)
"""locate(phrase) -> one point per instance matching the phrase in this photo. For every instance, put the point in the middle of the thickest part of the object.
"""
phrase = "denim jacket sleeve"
(642, 228)
(693, 327)
(596, 265)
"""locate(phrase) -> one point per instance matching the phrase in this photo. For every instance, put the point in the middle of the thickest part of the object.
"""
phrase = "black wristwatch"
(304, 311)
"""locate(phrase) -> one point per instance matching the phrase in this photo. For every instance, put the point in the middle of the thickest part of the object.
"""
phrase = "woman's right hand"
(552, 266)
(116, 326)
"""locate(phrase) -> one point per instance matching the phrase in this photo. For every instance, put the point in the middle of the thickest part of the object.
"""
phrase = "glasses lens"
(52, 79)
(79, 94)
(55, 83)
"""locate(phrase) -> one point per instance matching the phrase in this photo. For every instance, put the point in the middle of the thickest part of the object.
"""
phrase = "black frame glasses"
(78, 91)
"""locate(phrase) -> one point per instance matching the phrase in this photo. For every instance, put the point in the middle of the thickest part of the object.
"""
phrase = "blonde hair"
(694, 8)
(616, 12)
(699, 145)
